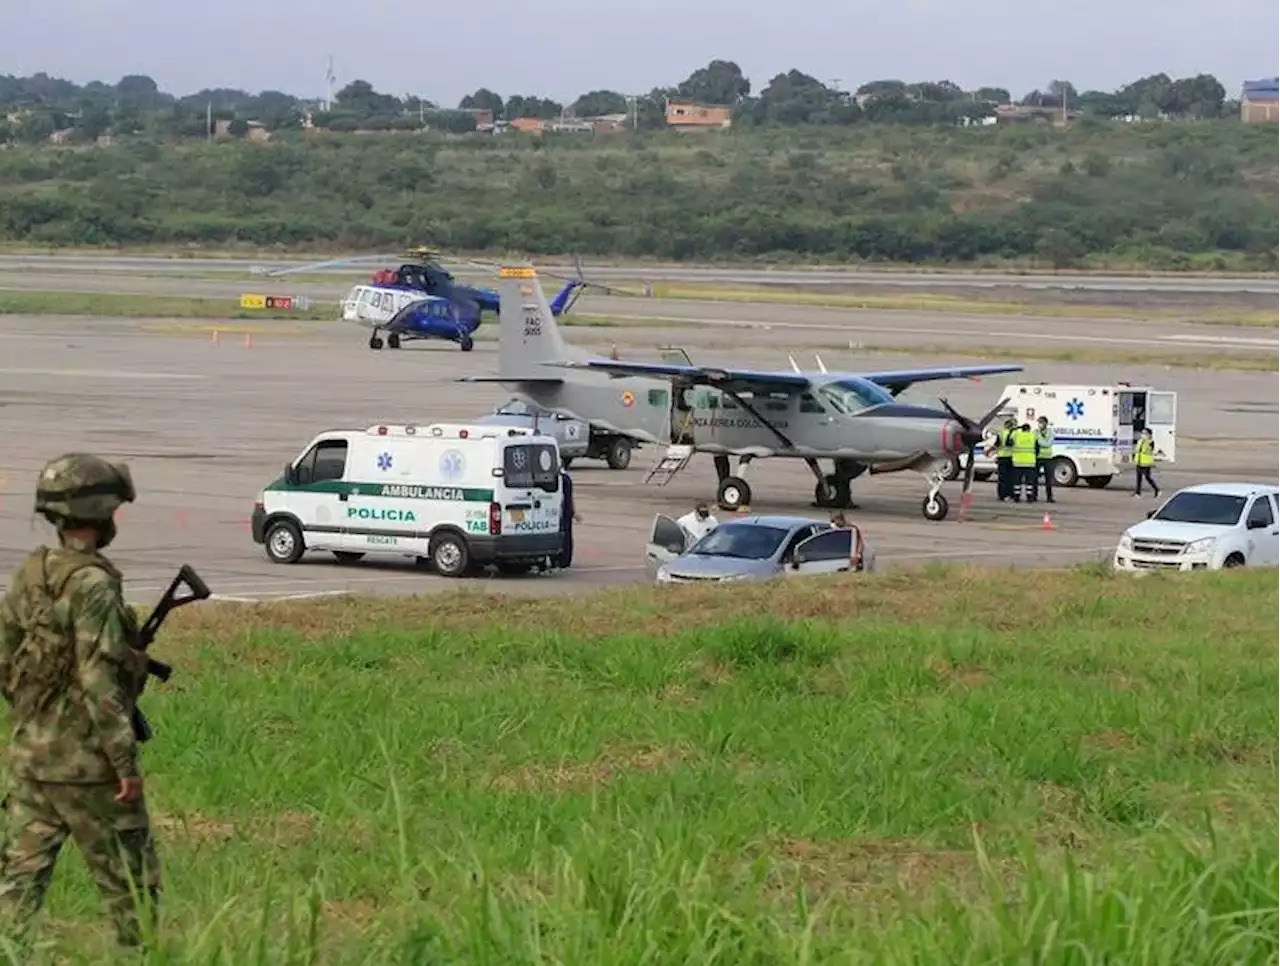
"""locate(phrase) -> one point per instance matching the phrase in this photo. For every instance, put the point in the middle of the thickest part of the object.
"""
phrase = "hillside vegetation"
(1193, 194)
(947, 766)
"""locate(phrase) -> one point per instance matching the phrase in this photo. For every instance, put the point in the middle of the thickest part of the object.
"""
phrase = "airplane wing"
(898, 380)
(734, 380)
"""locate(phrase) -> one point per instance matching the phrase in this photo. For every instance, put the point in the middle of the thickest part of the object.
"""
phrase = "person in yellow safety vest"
(1024, 463)
(1144, 457)
(1004, 461)
(1044, 454)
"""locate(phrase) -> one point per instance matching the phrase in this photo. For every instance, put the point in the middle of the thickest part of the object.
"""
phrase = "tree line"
(1199, 194)
(34, 108)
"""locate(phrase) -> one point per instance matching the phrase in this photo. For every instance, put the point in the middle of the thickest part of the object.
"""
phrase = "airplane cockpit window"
(809, 404)
(851, 396)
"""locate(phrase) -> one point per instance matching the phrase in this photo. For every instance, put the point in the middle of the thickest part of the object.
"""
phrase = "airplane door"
(667, 540)
(827, 552)
(320, 501)
(1162, 419)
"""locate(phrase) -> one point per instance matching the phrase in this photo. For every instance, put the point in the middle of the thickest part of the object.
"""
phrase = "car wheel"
(449, 555)
(283, 542)
(733, 493)
(1235, 560)
(934, 507)
(618, 455)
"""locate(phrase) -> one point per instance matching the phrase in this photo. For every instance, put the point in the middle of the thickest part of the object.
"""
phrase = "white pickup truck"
(1207, 527)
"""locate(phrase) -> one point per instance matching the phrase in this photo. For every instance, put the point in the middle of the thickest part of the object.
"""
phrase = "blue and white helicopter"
(420, 300)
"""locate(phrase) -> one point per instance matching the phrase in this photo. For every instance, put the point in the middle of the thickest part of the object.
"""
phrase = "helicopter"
(420, 300)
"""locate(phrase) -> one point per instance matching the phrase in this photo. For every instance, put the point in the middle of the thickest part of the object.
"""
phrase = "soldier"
(71, 675)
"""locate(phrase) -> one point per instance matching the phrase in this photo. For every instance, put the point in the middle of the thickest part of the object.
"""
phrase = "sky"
(562, 48)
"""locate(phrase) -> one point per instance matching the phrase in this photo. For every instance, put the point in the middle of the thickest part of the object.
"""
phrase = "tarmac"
(208, 412)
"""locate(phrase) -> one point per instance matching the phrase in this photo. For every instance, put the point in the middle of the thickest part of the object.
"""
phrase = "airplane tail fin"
(527, 331)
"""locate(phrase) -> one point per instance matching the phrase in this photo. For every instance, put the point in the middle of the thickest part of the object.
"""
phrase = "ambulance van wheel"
(934, 507)
(1064, 472)
(283, 542)
(733, 493)
(393, 340)
(618, 454)
(449, 555)
(347, 556)
(1097, 482)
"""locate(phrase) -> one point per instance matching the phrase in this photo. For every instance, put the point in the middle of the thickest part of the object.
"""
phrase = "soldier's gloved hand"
(130, 790)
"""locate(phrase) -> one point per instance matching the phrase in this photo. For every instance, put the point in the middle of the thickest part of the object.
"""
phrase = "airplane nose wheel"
(934, 507)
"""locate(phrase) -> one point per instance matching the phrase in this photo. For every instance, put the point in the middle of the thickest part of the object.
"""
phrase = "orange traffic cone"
(1048, 523)
(248, 340)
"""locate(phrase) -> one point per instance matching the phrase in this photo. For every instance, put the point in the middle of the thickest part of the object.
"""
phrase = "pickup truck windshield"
(740, 540)
(1215, 509)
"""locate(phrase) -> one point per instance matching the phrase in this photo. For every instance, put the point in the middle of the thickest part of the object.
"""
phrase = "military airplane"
(853, 419)
(421, 300)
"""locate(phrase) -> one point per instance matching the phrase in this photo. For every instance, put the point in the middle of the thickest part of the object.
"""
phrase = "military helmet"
(83, 487)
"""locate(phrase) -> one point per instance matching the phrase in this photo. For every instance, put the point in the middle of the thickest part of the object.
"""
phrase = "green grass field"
(947, 766)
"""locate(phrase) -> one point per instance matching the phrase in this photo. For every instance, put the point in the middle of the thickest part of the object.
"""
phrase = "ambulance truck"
(1094, 428)
(457, 496)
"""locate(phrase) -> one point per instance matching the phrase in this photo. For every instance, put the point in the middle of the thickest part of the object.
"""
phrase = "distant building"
(1258, 101)
(687, 114)
(529, 125)
(484, 119)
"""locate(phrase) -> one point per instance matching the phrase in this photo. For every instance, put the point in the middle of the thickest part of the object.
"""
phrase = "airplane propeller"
(971, 433)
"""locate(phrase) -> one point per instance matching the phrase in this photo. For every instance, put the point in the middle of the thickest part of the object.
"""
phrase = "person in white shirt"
(698, 522)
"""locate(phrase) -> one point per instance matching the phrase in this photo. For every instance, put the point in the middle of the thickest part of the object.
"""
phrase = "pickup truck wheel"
(283, 542)
(618, 453)
(1233, 560)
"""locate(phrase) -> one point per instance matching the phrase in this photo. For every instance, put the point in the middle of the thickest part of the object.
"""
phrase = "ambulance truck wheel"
(449, 555)
(393, 340)
(1064, 472)
(283, 542)
(934, 507)
(733, 493)
(618, 455)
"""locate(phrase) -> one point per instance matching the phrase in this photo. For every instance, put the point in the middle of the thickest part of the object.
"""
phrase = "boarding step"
(673, 461)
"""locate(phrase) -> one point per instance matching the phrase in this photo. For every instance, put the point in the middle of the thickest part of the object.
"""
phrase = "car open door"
(827, 552)
(667, 540)
(1263, 533)
(1162, 420)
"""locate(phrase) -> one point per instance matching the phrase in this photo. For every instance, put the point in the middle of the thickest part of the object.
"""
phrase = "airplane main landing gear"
(733, 492)
(832, 490)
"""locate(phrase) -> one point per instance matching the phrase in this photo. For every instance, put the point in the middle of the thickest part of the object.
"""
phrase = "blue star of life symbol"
(451, 465)
(1075, 409)
(384, 461)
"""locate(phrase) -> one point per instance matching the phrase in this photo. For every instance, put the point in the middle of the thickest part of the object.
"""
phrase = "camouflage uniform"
(71, 676)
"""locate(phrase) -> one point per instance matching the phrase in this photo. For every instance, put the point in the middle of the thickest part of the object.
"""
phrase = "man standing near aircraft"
(1044, 457)
(698, 523)
(1004, 461)
(568, 517)
(1024, 463)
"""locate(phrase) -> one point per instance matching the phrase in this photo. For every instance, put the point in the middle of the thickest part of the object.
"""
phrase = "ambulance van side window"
(326, 461)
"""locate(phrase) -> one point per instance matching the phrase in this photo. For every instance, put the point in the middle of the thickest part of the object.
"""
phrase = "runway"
(830, 327)
(824, 276)
(206, 424)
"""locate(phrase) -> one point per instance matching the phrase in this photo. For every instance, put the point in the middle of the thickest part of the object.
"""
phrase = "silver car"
(755, 548)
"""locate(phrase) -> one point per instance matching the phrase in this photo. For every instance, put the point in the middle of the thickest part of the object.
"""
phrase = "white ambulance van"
(456, 496)
(1094, 427)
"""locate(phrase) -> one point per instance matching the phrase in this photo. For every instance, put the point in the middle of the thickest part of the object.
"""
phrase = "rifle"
(147, 634)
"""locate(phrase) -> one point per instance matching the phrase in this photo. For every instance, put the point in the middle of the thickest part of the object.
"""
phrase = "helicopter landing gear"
(374, 341)
(465, 343)
(393, 340)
